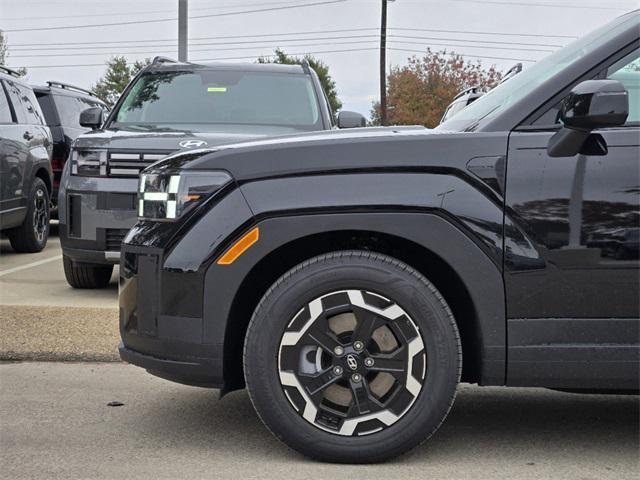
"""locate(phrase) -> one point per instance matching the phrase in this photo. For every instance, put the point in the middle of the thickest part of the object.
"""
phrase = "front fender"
(440, 236)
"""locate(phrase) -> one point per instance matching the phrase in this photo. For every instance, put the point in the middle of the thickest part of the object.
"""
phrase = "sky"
(43, 35)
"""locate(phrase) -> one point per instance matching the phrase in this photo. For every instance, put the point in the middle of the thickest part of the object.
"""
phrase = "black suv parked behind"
(62, 104)
(353, 279)
(172, 106)
(25, 167)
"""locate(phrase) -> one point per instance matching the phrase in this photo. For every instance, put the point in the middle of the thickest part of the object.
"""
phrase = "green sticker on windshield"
(217, 89)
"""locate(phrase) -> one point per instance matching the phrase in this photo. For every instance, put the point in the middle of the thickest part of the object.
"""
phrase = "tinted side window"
(69, 109)
(46, 105)
(627, 71)
(14, 96)
(25, 104)
(5, 109)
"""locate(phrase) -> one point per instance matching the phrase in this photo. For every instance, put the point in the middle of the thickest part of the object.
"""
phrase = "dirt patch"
(58, 333)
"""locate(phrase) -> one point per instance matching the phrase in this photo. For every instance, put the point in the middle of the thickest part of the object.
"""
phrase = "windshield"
(206, 100)
(520, 85)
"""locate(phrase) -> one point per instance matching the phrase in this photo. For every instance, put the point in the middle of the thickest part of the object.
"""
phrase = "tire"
(350, 293)
(32, 235)
(86, 275)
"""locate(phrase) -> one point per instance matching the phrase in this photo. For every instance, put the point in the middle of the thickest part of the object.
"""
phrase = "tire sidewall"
(377, 274)
(38, 185)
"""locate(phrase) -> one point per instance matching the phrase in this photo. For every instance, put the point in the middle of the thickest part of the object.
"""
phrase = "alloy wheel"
(352, 362)
(40, 215)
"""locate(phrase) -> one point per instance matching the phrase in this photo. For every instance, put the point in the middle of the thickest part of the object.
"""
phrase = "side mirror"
(348, 119)
(591, 105)
(91, 118)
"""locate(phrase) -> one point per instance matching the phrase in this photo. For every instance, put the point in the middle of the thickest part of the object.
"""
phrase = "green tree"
(118, 75)
(321, 68)
(4, 53)
(418, 93)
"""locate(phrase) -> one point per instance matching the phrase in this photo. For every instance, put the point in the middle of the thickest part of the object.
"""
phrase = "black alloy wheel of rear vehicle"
(33, 234)
(352, 357)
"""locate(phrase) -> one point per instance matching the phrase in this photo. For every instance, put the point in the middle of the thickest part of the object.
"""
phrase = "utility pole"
(383, 63)
(183, 26)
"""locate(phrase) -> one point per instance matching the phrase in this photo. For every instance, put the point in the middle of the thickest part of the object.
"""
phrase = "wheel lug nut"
(337, 370)
(358, 345)
(338, 350)
(368, 362)
(356, 377)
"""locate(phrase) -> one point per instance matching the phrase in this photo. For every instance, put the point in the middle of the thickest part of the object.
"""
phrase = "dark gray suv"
(25, 165)
(168, 107)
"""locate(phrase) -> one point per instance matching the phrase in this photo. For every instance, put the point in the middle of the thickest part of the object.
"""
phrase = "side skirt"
(570, 353)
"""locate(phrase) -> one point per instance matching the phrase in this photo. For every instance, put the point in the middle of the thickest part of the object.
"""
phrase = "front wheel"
(352, 357)
(86, 275)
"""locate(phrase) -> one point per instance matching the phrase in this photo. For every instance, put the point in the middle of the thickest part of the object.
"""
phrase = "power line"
(470, 56)
(530, 4)
(207, 59)
(293, 54)
(288, 33)
(146, 12)
(506, 34)
(280, 41)
(167, 48)
(138, 22)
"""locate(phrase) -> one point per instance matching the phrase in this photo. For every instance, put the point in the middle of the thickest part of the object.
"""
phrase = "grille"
(113, 238)
(130, 164)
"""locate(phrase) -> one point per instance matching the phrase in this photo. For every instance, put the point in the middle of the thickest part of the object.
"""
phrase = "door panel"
(582, 216)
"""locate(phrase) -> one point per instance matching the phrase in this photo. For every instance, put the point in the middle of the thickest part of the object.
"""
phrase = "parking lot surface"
(43, 318)
(56, 424)
(37, 279)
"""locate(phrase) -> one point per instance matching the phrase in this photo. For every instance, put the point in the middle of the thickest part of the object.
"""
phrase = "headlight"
(90, 163)
(168, 196)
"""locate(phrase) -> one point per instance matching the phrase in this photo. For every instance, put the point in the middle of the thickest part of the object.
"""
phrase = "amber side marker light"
(239, 247)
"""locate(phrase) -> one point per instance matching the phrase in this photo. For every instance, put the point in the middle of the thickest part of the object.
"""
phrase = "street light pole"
(383, 62)
(183, 24)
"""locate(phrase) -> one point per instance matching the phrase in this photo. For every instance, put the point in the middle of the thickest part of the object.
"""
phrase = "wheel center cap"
(352, 362)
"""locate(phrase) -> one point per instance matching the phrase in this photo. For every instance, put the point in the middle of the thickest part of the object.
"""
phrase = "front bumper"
(161, 321)
(95, 215)
(190, 370)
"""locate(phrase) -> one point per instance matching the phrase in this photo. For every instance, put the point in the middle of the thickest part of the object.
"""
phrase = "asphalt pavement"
(56, 425)
(46, 318)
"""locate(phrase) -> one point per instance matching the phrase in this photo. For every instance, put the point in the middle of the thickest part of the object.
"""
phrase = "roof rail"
(66, 86)
(474, 89)
(516, 69)
(305, 66)
(161, 59)
(10, 71)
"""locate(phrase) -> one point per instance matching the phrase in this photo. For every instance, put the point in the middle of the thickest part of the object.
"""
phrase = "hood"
(365, 149)
(163, 141)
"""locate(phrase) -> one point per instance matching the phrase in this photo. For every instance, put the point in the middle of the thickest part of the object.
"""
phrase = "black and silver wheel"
(33, 234)
(352, 357)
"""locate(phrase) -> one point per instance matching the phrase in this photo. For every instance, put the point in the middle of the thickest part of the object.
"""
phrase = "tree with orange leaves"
(419, 92)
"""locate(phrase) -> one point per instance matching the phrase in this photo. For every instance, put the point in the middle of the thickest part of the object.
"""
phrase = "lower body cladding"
(95, 215)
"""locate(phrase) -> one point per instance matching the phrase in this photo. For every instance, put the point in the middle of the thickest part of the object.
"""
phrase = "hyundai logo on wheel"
(192, 143)
(352, 362)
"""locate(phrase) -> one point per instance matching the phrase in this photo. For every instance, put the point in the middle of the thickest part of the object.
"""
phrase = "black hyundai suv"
(352, 279)
(172, 106)
(25, 167)
(62, 104)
